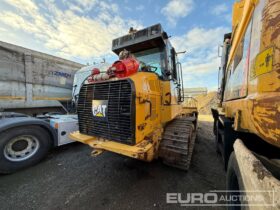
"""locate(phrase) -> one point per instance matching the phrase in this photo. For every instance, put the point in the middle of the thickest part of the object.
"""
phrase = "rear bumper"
(142, 151)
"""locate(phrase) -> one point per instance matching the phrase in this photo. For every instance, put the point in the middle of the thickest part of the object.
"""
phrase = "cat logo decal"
(99, 109)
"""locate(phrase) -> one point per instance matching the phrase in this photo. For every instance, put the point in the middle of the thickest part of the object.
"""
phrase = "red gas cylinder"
(94, 71)
(125, 67)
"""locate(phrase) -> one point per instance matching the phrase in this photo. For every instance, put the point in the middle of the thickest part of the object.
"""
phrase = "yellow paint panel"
(51, 99)
(263, 63)
(144, 150)
(237, 13)
(12, 98)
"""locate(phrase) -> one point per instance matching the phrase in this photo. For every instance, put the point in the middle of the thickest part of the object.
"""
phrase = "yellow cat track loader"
(135, 107)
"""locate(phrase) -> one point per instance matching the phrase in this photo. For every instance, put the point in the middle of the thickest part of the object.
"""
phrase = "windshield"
(152, 58)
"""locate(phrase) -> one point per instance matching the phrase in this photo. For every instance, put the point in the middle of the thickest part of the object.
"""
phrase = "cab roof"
(147, 38)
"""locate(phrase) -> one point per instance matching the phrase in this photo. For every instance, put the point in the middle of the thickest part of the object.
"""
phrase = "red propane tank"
(125, 67)
(94, 71)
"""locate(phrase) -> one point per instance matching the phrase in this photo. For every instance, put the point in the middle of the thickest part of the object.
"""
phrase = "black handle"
(168, 102)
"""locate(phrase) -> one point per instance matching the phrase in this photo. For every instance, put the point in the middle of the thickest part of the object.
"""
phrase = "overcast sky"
(82, 30)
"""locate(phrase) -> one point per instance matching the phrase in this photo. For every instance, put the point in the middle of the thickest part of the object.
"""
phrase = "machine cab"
(152, 49)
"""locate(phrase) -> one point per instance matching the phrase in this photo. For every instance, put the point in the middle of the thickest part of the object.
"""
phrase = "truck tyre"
(228, 148)
(21, 147)
(233, 183)
(218, 137)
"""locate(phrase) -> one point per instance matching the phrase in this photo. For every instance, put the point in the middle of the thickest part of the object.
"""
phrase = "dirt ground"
(69, 178)
(206, 102)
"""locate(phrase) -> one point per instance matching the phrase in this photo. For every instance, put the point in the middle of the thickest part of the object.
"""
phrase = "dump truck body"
(249, 92)
(252, 86)
(30, 79)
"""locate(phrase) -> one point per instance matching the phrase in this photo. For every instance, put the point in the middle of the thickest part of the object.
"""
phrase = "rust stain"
(275, 34)
(278, 71)
(260, 170)
(266, 115)
(143, 144)
(145, 156)
(273, 21)
(142, 126)
(155, 147)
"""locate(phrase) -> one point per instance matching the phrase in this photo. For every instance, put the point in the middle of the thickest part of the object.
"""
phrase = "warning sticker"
(263, 63)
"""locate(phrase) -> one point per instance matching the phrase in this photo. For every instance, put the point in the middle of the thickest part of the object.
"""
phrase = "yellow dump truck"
(247, 122)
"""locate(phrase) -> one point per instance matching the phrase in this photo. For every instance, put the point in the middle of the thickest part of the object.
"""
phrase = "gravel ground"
(69, 178)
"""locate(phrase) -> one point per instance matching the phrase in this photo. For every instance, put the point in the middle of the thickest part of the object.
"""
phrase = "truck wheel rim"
(21, 148)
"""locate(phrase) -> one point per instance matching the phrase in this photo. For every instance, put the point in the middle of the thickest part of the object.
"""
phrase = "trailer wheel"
(21, 147)
(234, 183)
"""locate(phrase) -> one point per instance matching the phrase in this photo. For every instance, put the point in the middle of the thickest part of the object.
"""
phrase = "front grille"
(119, 124)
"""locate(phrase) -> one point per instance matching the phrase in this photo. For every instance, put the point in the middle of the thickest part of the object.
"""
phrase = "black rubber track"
(177, 145)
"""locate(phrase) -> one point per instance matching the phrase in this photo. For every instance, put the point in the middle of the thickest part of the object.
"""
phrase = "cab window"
(236, 86)
(152, 59)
